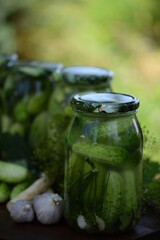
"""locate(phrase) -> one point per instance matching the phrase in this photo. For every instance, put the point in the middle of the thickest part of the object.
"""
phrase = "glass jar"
(68, 81)
(103, 169)
(26, 93)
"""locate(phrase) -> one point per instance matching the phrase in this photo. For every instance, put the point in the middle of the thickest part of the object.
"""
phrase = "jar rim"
(86, 75)
(104, 103)
(34, 68)
(5, 58)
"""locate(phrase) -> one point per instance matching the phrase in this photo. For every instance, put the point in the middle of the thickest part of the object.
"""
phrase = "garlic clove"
(48, 208)
(81, 222)
(100, 223)
(22, 211)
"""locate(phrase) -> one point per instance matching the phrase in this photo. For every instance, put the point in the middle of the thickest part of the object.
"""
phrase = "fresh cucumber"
(112, 202)
(4, 192)
(111, 155)
(18, 189)
(12, 173)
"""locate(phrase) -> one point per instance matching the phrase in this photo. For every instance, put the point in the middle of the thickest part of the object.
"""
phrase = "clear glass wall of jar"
(103, 170)
(69, 81)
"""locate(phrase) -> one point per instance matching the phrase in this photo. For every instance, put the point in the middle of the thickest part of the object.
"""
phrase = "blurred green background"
(121, 35)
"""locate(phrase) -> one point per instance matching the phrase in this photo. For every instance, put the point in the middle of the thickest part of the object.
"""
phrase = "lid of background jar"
(35, 69)
(86, 75)
(6, 58)
(104, 103)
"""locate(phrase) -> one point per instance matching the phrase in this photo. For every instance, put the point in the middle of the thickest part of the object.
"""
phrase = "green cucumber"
(38, 130)
(4, 192)
(18, 189)
(93, 185)
(20, 113)
(112, 155)
(12, 173)
(75, 167)
(17, 128)
(37, 103)
(6, 122)
(130, 193)
(130, 205)
(119, 132)
(112, 202)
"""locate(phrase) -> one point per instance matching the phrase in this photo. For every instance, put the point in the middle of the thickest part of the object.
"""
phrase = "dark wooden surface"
(36, 231)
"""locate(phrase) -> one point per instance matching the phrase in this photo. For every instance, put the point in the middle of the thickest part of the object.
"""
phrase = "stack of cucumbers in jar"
(26, 89)
(104, 174)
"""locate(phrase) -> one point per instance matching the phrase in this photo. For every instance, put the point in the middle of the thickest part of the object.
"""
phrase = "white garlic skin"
(48, 208)
(22, 211)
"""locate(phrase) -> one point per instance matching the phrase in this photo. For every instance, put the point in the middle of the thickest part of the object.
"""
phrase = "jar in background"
(72, 80)
(103, 170)
(26, 93)
(68, 81)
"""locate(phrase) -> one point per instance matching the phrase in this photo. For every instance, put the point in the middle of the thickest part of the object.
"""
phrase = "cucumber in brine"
(93, 185)
(112, 202)
(130, 194)
(112, 155)
(129, 209)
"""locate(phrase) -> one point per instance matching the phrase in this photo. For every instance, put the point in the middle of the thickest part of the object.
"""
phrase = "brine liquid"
(100, 197)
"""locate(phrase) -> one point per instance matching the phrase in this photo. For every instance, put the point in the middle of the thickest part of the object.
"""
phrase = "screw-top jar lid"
(106, 103)
(6, 58)
(86, 75)
(34, 69)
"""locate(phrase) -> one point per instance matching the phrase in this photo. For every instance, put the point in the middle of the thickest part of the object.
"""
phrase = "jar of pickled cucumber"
(26, 93)
(69, 81)
(103, 169)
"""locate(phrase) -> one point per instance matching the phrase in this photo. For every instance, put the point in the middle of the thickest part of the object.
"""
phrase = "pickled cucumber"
(130, 204)
(130, 193)
(37, 103)
(114, 156)
(38, 130)
(17, 128)
(121, 133)
(20, 113)
(74, 171)
(112, 202)
(6, 122)
(93, 182)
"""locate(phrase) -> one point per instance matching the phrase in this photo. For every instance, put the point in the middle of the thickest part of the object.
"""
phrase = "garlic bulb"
(22, 211)
(48, 208)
